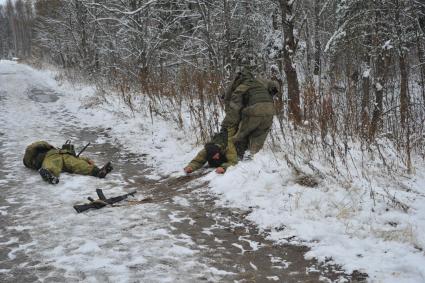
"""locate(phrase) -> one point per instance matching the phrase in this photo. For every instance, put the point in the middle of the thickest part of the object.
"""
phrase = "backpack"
(35, 153)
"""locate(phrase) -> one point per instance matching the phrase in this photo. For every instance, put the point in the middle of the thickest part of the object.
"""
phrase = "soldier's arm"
(199, 160)
(233, 118)
(228, 95)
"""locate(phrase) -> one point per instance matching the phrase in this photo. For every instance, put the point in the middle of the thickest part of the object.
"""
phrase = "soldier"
(51, 161)
(220, 153)
(249, 111)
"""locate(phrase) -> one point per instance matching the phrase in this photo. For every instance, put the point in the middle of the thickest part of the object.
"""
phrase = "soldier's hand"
(91, 162)
(188, 170)
(220, 170)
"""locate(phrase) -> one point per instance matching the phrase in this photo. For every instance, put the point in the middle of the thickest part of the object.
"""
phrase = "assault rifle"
(101, 202)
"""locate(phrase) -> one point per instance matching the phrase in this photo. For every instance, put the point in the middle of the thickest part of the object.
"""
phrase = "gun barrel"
(119, 198)
(84, 148)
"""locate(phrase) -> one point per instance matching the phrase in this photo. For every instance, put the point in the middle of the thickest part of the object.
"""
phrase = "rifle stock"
(83, 207)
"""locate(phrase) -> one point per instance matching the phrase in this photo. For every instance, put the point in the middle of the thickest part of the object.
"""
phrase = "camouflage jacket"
(247, 94)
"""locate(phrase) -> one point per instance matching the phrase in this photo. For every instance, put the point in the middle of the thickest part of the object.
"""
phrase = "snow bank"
(355, 219)
(350, 220)
(338, 221)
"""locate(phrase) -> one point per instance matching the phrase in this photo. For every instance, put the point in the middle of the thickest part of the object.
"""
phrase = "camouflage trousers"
(57, 162)
(254, 127)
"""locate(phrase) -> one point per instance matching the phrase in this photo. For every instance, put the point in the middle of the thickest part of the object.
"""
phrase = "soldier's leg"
(259, 135)
(80, 166)
(247, 125)
(51, 168)
(241, 146)
(53, 163)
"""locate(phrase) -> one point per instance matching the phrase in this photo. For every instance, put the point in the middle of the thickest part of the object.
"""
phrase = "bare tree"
(289, 65)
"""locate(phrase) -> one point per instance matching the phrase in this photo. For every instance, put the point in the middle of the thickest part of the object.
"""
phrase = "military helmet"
(212, 150)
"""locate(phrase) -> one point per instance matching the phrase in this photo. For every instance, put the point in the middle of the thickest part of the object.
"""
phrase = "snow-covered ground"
(40, 229)
(355, 219)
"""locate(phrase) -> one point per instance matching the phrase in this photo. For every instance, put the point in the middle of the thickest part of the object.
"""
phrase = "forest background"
(348, 70)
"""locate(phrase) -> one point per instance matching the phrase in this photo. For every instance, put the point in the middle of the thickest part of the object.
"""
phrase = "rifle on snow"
(101, 202)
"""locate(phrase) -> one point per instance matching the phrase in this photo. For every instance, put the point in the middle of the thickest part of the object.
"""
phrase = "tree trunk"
(227, 35)
(420, 38)
(317, 47)
(308, 47)
(365, 100)
(288, 63)
(379, 94)
(404, 99)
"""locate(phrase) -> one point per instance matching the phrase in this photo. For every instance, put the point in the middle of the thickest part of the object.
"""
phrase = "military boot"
(48, 176)
(241, 147)
(104, 170)
(248, 156)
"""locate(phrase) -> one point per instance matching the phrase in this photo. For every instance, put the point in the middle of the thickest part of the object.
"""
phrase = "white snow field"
(357, 219)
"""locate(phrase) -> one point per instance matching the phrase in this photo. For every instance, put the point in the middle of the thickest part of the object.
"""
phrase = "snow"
(387, 45)
(289, 17)
(336, 222)
(335, 38)
(338, 218)
(366, 73)
(117, 245)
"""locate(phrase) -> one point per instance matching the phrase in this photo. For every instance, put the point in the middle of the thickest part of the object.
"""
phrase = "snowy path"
(180, 237)
(43, 237)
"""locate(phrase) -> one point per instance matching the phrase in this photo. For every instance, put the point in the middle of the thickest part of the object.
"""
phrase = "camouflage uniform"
(41, 155)
(227, 149)
(249, 112)
(58, 160)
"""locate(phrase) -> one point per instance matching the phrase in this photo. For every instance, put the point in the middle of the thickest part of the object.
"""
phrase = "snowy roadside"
(337, 220)
(41, 235)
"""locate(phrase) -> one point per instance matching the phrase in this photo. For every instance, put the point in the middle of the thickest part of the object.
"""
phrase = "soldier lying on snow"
(51, 161)
(220, 153)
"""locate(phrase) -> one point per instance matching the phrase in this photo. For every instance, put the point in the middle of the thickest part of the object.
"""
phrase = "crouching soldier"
(51, 161)
(220, 153)
(249, 111)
